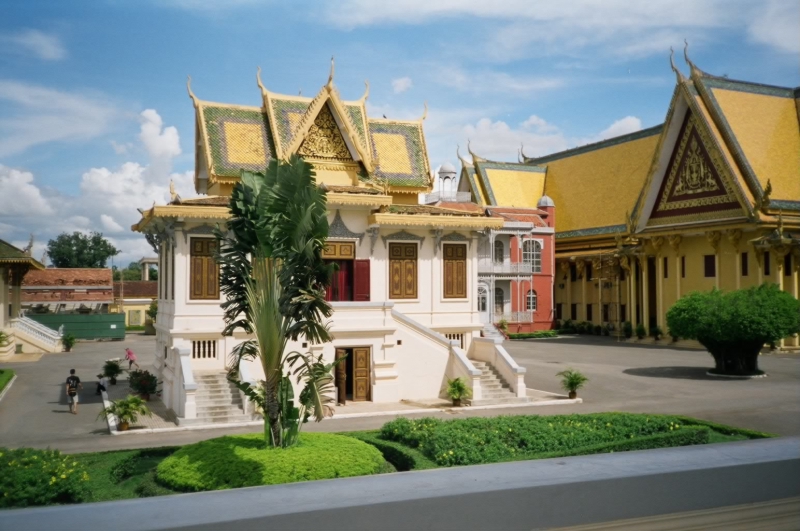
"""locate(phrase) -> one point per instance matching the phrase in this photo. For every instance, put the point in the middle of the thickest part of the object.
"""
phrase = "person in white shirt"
(102, 383)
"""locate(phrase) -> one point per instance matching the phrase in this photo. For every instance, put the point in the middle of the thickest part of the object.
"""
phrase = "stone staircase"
(218, 400)
(494, 388)
(489, 330)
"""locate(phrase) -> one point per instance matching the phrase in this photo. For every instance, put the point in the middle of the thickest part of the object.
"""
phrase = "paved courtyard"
(623, 377)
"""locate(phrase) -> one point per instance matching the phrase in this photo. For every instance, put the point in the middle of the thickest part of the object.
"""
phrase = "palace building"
(708, 199)
(404, 296)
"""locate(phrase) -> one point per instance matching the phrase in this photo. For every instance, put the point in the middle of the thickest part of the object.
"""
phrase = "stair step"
(221, 413)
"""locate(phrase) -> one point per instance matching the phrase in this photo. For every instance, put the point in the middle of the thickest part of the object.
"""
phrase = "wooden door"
(341, 377)
(361, 374)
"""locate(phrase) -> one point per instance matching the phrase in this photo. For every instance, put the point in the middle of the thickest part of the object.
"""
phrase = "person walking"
(73, 386)
(102, 384)
(131, 357)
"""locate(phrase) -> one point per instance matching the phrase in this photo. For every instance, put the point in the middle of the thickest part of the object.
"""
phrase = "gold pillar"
(16, 290)
(734, 236)
(779, 254)
(568, 308)
(713, 238)
(675, 243)
(657, 242)
(581, 270)
(645, 287)
(634, 300)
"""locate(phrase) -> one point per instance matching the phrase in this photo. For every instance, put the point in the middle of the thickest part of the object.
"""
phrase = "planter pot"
(123, 426)
(572, 395)
(456, 402)
(149, 329)
(145, 397)
(113, 381)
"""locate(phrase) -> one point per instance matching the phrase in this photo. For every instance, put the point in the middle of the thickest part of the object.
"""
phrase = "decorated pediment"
(324, 139)
(697, 186)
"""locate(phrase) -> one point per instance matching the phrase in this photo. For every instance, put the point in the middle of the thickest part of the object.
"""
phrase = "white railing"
(490, 266)
(491, 351)
(188, 387)
(38, 331)
(453, 197)
(514, 317)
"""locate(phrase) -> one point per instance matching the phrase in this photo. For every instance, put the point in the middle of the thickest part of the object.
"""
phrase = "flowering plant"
(143, 382)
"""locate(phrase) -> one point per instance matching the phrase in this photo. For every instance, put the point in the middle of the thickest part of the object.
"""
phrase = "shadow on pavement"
(680, 373)
(604, 341)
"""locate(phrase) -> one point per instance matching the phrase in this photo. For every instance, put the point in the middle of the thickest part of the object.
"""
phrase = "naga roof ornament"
(678, 74)
(363, 98)
(189, 90)
(696, 72)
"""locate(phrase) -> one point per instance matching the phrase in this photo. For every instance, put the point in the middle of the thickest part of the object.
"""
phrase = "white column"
(3, 297)
(633, 297)
(644, 268)
(16, 298)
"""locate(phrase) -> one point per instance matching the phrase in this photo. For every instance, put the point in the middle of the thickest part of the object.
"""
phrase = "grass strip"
(5, 376)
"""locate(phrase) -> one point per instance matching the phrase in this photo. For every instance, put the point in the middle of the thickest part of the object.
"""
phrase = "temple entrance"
(353, 375)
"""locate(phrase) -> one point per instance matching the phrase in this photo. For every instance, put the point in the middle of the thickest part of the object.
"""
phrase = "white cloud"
(497, 140)
(776, 24)
(623, 126)
(120, 149)
(46, 115)
(401, 84)
(34, 42)
(107, 200)
(489, 81)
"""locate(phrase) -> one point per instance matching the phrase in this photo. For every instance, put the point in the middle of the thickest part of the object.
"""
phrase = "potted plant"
(457, 390)
(111, 370)
(3, 339)
(127, 411)
(571, 381)
(627, 329)
(143, 383)
(640, 331)
(68, 340)
(656, 332)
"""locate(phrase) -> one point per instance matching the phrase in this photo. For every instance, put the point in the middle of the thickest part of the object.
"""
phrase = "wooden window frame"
(205, 261)
(450, 267)
(405, 294)
(531, 296)
(532, 254)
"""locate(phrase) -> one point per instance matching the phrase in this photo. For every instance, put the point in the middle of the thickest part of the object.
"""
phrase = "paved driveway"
(654, 379)
(623, 377)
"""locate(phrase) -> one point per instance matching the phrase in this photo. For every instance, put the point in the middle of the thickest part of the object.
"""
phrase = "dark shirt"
(73, 381)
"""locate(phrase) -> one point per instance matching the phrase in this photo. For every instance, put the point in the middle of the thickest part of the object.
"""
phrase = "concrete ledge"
(519, 495)
(8, 386)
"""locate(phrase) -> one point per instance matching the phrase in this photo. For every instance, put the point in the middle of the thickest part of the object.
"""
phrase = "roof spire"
(258, 80)
(678, 73)
(424, 112)
(189, 89)
(329, 84)
(366, 92)
(469, 148)
(692, 67)
(462, 159)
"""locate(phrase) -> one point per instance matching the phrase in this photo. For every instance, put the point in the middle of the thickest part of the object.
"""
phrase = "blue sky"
(95, 120)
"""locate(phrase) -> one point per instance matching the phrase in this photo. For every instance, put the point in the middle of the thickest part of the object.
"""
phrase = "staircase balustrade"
(38, 331)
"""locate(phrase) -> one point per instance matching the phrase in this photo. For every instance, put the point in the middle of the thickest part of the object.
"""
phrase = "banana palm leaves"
(273, 278)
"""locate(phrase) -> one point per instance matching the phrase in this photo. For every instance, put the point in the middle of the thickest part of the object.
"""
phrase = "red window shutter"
(361, 280)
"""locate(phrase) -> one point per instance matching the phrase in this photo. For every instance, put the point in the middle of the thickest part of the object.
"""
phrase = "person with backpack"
(73, 385)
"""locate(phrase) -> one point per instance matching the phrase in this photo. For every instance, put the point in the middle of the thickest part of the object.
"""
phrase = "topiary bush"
(627, 329)
(243, 461)
(734, 326)
(641, 332)
(31, 477)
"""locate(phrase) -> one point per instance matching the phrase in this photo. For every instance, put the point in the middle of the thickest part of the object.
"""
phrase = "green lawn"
(5, 376)
(404, 444)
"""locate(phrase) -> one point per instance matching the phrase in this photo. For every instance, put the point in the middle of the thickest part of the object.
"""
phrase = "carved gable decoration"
(324, 139)
(696, 186)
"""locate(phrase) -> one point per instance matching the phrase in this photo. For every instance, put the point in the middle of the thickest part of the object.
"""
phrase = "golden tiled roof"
(766, 128)
(514, 187)
(596, 188)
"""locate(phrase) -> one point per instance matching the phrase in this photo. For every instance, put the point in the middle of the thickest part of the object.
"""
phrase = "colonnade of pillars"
(13, 278)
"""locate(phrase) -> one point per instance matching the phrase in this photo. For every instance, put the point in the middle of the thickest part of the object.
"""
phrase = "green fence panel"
(85, 326)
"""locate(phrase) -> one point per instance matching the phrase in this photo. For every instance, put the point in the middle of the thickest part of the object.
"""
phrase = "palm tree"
(274, 278)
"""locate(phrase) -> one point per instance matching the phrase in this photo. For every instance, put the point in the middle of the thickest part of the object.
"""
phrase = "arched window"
(498, 251)
(530, 303)
(532, 254)
(482, 295)
(499, 306)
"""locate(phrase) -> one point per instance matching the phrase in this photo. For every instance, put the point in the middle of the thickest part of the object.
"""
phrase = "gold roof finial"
(258, 81)
(522, 152)
(474, 156)
(678, 73)
(424, 112)
(780, 224)
(363, 98)
(173, 195)
(189, 89)
(692, 67)
(462, 159)
(519, 155)
(329, 84)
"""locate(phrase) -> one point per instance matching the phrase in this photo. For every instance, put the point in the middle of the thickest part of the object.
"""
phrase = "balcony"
(508, 268)
(450, 197)
(514, 317)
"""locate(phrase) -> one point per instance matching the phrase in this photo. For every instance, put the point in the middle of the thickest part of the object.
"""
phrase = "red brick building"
(68, 289)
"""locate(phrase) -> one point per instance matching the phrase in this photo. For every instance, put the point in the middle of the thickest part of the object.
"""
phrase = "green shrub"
(490, 440)
(399, 455)
(143, 382)
(627, 329)
(641, 332)
(568, 327)
(5, 376)
(40, 477)
(598, 330)
(656, 332)
(539, 334)
(124, 468)
(735, 325)
(572, 380)
(457, 389)
(243, 461)
(68, 340)
(148, 487)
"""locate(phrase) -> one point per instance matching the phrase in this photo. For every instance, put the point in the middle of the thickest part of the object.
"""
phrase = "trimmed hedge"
(491, 440)
(243, 461)
(31, 477)
(5, 376)
(399, 455)
(539, 334)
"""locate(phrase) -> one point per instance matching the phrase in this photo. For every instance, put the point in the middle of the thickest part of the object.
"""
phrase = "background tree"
(273, 277)
(133, 272)
(79, 250)
(735, 325)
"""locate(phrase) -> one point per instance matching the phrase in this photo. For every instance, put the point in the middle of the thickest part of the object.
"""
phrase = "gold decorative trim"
(335, 198)
(421, 220)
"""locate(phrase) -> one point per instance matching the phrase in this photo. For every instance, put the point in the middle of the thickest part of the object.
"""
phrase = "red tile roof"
(136, 289)
(68, 277)
(524, 215)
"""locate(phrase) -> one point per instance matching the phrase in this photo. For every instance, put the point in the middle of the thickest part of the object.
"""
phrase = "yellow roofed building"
(708, 199)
